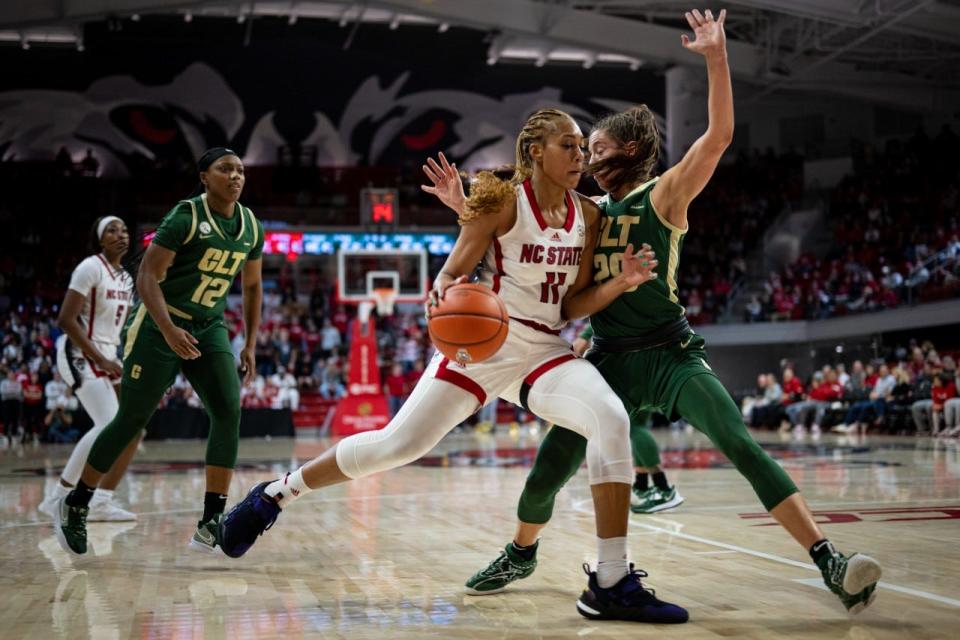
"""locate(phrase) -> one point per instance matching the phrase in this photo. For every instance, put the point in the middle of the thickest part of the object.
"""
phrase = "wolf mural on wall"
(130, 123)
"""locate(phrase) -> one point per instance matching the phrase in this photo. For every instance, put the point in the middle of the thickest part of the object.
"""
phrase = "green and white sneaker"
(205, 538)
(653, 500)
(70, 527)
(853, 580)
(637, 495)
(501, 571)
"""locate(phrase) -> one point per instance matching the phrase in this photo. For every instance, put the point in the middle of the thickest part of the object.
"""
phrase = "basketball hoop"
(384, 298)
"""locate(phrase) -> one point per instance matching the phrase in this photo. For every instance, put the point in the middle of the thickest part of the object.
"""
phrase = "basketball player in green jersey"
(662, 496)
(199, 248)
(643, 344)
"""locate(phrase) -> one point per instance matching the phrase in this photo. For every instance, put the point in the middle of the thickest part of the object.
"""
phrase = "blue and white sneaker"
(247, 521)
(627, 600)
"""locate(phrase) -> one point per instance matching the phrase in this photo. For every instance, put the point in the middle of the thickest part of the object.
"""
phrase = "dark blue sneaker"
(627, 600)
(247, 521)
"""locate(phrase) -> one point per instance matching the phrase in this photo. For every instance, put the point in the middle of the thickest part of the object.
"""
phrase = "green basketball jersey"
(634, 220)
(211, 251)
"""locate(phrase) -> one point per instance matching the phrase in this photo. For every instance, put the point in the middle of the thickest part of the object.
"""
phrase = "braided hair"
(489, 193)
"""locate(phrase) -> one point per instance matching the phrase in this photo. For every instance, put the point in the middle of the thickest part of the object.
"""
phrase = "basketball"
(470, 323)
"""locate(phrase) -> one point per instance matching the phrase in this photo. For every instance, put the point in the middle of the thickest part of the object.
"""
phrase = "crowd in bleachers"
(727, 221)
(35, 402)
(916, 390)
(896, 237)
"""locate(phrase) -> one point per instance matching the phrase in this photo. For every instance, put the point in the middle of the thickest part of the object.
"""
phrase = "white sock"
(288, 488)
(611, 560)
(59, 491)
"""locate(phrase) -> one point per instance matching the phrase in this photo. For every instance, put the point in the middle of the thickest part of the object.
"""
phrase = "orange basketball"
(470, 323)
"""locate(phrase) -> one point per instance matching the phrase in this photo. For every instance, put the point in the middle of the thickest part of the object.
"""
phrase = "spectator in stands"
(11, 398)
(287, 351)
(33, 408)
(413, 376)
(951, 410)
(750, 401)
(856, 388)
(766, 411)
(842, 376)
(943, 390)
(40, 361)
(949, 365)
(876, 403)
(826, 389)
(265, 354)
(922, 403)
(12, 353)
(64, 162)
(754, 310)
(54, 389)
(329, 339)
(89, 165)
(409, 350)
(917, 362)
(288, 395)
(793, 391)
(395, 388)
(331, 381)
(59, 419)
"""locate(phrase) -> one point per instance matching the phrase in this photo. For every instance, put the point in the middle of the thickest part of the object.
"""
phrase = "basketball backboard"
(360, 272)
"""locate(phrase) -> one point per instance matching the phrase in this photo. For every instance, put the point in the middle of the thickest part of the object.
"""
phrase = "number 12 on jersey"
(210, 290)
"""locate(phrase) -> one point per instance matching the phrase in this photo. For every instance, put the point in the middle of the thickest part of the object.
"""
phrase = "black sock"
(821, 549)
(527, 553)
(81, 495)
(213, 503)
(660, 481)
(642, 481)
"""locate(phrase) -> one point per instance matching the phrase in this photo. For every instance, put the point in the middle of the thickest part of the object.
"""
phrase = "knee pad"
(609, 453)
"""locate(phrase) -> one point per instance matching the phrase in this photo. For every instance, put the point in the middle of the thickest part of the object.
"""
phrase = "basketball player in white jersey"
(92, 316)
(532, 235)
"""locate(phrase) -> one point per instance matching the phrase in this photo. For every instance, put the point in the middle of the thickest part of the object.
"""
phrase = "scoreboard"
(379, 208)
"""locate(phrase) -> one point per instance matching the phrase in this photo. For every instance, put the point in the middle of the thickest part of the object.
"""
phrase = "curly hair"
(488, 193)
(638, 124)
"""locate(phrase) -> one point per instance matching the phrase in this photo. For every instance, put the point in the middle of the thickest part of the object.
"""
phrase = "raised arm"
(680, 184)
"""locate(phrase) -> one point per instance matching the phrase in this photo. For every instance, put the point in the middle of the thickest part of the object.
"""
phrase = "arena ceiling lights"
(902, 53)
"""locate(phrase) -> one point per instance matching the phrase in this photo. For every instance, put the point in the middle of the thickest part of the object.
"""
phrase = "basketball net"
(383, 300)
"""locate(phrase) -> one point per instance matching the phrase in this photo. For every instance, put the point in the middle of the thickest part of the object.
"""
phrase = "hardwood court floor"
(387, 556)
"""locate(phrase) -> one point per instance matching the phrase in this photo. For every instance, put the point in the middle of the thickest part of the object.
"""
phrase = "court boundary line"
(773, 557)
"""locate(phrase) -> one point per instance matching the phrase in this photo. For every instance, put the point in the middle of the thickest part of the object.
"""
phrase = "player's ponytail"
(636, 125)
(488, 193)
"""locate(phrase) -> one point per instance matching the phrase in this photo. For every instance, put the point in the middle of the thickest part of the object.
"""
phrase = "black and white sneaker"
(627, 600)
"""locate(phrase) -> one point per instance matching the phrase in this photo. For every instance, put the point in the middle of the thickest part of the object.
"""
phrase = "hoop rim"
(384, 298)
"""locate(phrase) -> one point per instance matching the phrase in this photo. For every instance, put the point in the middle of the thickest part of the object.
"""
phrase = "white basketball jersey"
(532, 265)
(108, 294)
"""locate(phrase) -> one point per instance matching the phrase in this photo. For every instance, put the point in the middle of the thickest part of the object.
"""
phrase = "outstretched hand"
(637, 268)
(446, 184)
(709, 38)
